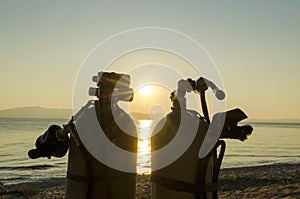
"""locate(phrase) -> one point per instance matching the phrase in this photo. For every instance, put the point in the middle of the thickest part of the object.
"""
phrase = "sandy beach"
(270, 181)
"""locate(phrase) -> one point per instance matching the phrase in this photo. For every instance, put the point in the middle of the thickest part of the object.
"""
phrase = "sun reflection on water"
(144, 147)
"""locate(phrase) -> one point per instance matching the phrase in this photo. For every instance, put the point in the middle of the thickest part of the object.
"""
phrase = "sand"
(272, 181)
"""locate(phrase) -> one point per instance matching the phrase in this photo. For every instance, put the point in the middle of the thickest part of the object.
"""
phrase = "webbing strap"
(84, 179)
(181, 186)
(97, 179)
(202, 168)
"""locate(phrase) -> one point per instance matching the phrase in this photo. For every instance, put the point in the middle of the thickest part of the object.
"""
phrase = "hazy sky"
(255, 45)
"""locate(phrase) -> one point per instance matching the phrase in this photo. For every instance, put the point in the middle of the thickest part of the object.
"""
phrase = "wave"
(31, 167)
(261, 155)
(14, 179)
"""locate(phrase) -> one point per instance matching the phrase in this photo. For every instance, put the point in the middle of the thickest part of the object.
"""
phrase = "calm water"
(271, 143)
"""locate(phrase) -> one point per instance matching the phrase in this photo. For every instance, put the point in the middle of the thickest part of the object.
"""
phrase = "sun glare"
(145, 90)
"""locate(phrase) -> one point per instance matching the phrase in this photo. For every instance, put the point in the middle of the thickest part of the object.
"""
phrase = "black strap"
(219, 159)
(86, 179)
(217, 163)
(204, 107)
(202, 168)
(201, 177)
(89, 179)
(96, 179)
(77, 178)
(181, 186)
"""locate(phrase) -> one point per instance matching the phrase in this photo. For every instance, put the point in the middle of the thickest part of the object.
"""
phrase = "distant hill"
(35, 112)
(273, 120)
(41, 112)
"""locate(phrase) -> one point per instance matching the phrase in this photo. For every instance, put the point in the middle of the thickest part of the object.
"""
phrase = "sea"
(270, 143)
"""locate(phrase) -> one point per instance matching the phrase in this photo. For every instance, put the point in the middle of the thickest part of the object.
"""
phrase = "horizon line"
(37, 106)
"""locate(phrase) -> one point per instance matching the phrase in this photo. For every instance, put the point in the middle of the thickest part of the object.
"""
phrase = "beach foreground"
(271, 181)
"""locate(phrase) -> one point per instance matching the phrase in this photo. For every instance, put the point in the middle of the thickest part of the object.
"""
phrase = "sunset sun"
(145, 90)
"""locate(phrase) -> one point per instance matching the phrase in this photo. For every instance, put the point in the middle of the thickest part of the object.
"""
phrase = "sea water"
(271, 143)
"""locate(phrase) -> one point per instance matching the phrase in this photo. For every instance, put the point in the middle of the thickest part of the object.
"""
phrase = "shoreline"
(268, 181)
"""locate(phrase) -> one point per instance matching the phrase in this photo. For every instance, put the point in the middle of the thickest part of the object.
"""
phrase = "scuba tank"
(194, 174)
(87, 176)
(178, 179)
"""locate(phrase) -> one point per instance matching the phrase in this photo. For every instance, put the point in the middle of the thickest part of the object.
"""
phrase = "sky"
(255, 45)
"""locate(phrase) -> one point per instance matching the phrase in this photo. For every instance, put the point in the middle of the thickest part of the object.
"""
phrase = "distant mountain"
(273, 120)
(35, 112)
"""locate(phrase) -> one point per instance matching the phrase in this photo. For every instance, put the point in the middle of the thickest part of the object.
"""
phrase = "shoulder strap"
(202, 169)
(178, 185)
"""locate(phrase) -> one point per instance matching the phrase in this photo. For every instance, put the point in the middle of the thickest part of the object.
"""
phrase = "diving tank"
(87, 176)
(187, 175)
(179, 135)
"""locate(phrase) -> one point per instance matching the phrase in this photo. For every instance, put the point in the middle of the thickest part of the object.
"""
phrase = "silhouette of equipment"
(86, 176)
(53, 142)
(191, 176)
